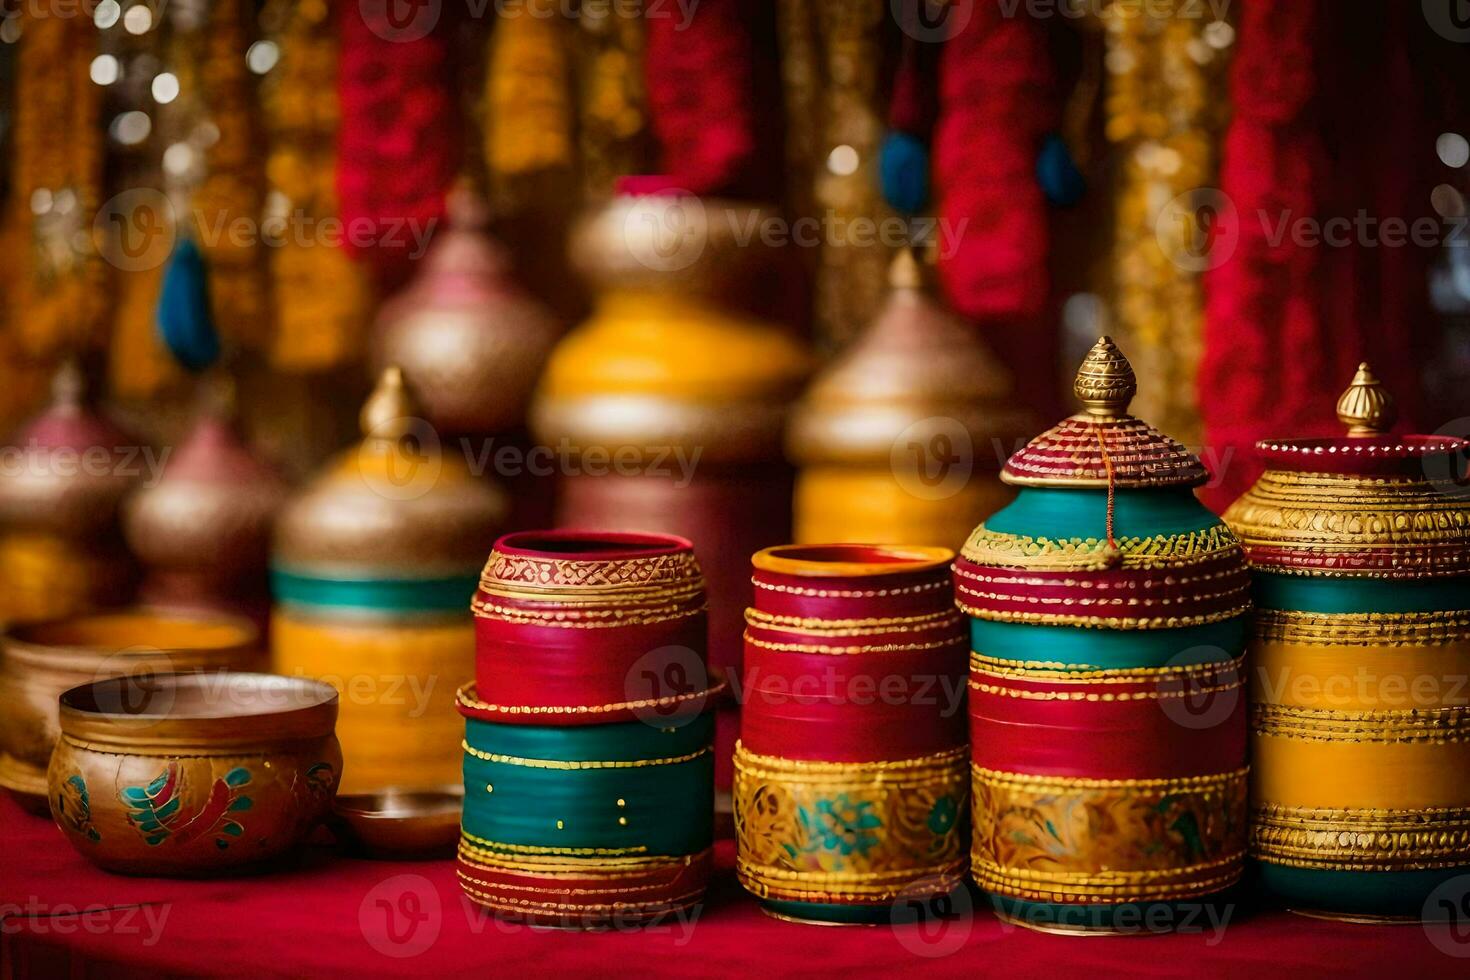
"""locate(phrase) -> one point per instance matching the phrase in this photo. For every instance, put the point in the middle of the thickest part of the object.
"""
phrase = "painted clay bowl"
(39, 661)
(193, 774)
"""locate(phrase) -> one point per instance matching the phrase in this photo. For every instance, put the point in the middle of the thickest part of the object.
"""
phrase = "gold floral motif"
(1376, 629)
(1433, 726)
(555, 576)
(1326, 839)
(1053, 838)
(844, 832)
(1163, 551)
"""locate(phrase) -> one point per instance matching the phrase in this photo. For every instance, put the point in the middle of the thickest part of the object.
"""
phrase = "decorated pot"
(850, 774)
(66, 474)
(1108, 623)
(1360, 726)
(374, 564)
(202, 532)
(40, 661)
(588, 751)
(901, 437)
(667, 407)
(186, 775)
(473, 341)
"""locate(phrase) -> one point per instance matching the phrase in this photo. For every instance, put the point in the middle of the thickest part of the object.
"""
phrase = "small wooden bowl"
(401, 823)
(39, 661)
(193, 774)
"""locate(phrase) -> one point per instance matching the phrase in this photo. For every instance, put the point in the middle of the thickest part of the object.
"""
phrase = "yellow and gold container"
(902, 437)
(665, 408)
(374, 565)
(1360, 727)
(62, 481)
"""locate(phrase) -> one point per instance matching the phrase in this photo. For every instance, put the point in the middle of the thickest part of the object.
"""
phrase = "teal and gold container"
(1360, 726)
(1108, 622)
(373, 567)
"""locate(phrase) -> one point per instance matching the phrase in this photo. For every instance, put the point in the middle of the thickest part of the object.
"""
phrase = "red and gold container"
(851, 784)
(588, 752)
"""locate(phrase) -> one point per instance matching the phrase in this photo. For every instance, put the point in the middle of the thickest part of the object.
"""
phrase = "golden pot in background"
(665, 408)
(189, 775)
(39, 661)
(901, 438)
(61, 483)
(373, 568)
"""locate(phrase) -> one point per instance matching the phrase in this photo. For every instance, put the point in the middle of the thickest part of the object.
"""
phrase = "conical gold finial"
(904, 271)
(1105, 382)
(391, 410)
(1366, 408)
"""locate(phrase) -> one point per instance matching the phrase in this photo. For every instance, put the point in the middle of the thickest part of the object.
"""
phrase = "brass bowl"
(39, 661)
(193, 774)
(401, 823)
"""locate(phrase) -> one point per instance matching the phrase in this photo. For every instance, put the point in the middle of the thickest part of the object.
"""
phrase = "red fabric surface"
(321, 919)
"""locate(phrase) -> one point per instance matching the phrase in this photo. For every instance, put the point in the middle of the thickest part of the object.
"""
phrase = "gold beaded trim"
(500, 903)
(1433, 726)
(918, 769)
(948, 641)
(851, 593)
(1067, 784)
(1050, 671)
(554, 576)
(813, 626)
(1155, 695)
(513, 760)
(599, 618)
(1326, 839)
(1095, 584)
(1118, 886)
(603, 865)
(491, 847)
(1002, 549)
(765, 881)
(1363, 629)
(465, 697)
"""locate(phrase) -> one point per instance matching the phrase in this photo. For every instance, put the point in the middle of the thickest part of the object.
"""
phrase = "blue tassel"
(903, 172)
(1061, 181)
(184, 322)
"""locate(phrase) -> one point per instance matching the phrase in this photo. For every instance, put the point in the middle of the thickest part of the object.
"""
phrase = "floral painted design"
(942, 815)
(74, 808)
(840, 825)
(158, 810)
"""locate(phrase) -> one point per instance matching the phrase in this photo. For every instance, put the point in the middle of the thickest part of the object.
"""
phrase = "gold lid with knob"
(1366, 407)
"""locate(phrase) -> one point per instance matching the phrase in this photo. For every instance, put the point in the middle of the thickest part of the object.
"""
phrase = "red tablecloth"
(331, 916)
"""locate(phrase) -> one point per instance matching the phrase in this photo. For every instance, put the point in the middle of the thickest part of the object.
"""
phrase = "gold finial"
(1366, 408)
(904, 271)
(391, 410)
(69, 385)
(1105, 382)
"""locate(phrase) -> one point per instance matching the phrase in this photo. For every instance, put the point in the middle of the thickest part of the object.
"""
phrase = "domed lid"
(1103, 445)
(397, 504)
(917, 364)
(1367, 504)
(70, 467)
(215, 503)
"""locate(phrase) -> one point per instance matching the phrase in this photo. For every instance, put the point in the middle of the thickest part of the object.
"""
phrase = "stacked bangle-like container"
(850, 783)
(588, 755)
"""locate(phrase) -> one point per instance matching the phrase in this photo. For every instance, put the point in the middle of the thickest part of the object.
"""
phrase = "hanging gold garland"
(229, 204)
(612, 98)
(1165, 69)
(527, 99)
(61, 284)
(321, 295)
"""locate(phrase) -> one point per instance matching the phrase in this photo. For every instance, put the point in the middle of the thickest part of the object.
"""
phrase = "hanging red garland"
(994, 108)
(699, 76)
(397, 145)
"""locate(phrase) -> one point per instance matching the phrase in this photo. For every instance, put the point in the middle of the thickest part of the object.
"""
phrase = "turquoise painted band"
(1359, 595)
(450, 594)
(1375, 893)
(1044, 512)
(1082, 647)
(663, 808)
